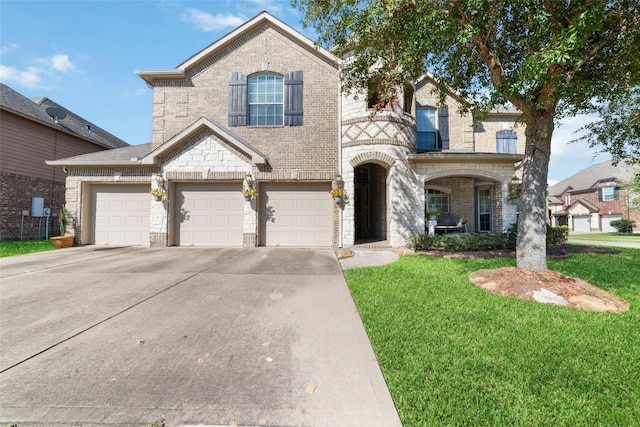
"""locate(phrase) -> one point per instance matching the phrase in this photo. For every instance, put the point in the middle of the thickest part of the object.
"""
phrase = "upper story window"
(507, 142)
(373, 92)
(609, 192)
(427, 130)
(266, 100)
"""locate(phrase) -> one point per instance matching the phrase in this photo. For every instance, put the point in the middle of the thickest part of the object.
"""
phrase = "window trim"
(267, 84)
(436, 142)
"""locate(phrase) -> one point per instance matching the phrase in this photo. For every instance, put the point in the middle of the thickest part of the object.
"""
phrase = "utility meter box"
(47, 212)
(37, 206)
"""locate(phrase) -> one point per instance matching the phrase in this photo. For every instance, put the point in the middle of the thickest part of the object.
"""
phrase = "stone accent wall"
(16, 192)
(386, 128)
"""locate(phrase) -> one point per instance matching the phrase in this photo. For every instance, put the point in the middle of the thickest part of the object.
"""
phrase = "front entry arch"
(370, 203)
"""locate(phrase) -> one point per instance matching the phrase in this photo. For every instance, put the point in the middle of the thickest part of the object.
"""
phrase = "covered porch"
(467, 192)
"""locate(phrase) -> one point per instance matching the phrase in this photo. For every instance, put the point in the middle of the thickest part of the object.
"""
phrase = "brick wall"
(309, 150)
(15, 196)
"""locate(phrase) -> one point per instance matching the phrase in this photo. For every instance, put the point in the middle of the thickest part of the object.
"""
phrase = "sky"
(83, 55)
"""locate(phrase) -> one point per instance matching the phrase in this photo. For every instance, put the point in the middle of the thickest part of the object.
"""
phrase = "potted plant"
(158, 193)
(433, 213)
(63, 240)
(249, 193)
(338, 193)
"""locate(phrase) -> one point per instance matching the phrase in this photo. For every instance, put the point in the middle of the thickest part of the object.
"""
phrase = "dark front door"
(370, 203)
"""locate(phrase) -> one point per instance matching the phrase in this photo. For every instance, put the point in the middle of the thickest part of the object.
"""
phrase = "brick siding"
(15, 196)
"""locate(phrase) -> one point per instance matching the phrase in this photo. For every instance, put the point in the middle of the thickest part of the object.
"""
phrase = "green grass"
(607, 237)
(454, 354)
(24, 247)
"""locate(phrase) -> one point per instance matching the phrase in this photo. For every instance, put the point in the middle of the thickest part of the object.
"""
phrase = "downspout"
(340, 219)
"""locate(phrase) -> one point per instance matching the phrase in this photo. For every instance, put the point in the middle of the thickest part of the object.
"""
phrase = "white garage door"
(582, 224)
(606, 223)
(120, 214)
(208, 214)
(293, 214)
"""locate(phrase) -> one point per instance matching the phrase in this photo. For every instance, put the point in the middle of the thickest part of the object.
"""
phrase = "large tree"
(549, 58)
(618, 127)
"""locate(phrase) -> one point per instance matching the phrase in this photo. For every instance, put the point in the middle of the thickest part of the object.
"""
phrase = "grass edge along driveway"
(454, 354)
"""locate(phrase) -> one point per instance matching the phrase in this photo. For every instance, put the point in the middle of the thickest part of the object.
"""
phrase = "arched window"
(265, 100)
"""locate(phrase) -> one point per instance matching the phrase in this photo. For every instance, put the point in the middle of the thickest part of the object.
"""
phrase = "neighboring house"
(31, 132)
(262, 108)
(592, 198)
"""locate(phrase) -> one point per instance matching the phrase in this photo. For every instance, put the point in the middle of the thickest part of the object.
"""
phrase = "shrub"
(484, 242)
(623, 225)
(557, 235)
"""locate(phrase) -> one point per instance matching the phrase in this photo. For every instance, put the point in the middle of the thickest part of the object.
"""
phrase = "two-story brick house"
(590, 199)
(263, 108)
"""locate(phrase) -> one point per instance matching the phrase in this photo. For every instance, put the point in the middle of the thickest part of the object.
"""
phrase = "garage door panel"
(120, 214)
(209, 214)
(294, 214)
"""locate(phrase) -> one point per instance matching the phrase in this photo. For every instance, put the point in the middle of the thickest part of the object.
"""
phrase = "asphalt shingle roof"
(589, 177)
(36, 109)
(117, 156)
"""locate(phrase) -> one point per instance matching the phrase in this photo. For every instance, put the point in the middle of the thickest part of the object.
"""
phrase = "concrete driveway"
(128, 336)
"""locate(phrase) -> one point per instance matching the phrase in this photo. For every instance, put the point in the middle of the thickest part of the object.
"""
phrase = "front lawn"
(20, 247)
(454, 354)
(607, 237)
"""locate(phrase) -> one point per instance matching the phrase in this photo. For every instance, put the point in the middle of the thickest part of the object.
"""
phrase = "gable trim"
(257, 158)
(227, 42)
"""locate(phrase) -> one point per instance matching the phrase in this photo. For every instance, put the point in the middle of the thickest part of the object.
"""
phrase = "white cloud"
(40, 75)
(8, 48)
(62, 63)
(208, 22)
(31, 77)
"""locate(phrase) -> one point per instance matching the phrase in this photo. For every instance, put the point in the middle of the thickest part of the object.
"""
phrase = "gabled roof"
(144, 155)
(590, 206)
(554, 200)
(36, 110)
(588, 178)
(263, 18)
(204, 123)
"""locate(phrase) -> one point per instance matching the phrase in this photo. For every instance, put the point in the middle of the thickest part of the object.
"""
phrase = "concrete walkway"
(127, 336)
(369, 258)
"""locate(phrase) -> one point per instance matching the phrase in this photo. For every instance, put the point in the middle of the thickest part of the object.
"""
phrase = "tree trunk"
(531, 250)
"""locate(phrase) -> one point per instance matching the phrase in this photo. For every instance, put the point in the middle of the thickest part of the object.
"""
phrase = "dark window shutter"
(237, 99)
(293, 98)
(616, 193)
(600, 195)
(506, 141)
(443, 127)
